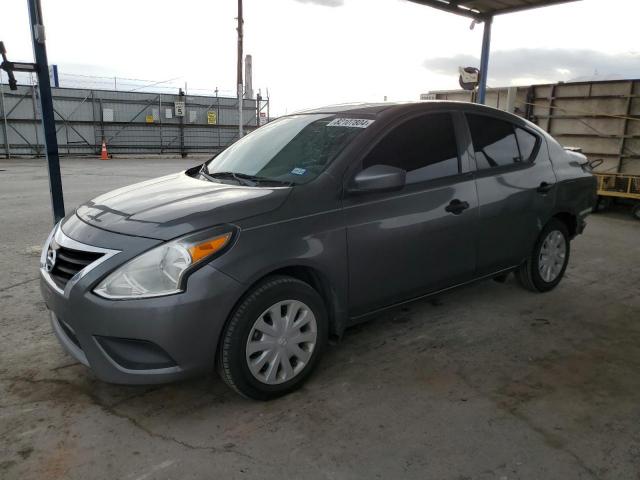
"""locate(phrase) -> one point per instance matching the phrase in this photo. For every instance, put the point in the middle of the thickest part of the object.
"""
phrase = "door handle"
(544, 187)
(456, 206)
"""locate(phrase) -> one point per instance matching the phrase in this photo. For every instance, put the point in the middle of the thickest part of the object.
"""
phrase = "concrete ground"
(486, 382)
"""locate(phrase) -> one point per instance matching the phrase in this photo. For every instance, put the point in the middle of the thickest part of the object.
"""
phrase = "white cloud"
(544, 65)
(307, 55)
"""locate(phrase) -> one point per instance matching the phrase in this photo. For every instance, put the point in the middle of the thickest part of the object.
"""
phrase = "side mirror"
(378, 178)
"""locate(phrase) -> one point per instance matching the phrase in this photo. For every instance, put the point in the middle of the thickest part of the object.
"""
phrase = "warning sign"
(212, 118)
(149, 118)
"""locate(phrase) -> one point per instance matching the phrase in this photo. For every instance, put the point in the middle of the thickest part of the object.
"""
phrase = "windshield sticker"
(299, 171)
(350, 122)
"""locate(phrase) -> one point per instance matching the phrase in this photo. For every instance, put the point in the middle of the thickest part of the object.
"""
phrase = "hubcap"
(281, 342)
(552, 256)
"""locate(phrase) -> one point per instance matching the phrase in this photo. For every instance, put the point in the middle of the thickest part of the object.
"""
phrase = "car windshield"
(291, 150)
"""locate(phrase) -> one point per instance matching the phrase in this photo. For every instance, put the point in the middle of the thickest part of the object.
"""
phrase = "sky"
(309, 53)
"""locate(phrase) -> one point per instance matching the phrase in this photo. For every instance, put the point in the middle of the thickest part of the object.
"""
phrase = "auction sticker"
(350, 122)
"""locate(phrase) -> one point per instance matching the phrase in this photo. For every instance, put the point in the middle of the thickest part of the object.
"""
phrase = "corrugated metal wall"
(130, 122)
(602, 118)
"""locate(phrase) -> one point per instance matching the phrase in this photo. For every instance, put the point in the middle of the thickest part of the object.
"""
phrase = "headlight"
(160, 270)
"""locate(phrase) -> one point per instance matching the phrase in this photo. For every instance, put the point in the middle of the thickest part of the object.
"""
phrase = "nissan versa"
(313, 222)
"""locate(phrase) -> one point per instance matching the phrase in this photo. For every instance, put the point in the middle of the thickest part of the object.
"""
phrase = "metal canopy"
(484, 11)
(480, 9)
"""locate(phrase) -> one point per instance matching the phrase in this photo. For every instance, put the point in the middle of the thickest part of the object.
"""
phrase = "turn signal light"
(209, 247)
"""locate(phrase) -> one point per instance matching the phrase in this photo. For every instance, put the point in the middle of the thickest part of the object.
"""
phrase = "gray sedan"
(250, 262)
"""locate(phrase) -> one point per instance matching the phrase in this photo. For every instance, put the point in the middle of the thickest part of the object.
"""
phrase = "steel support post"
(625, 129)
(102, 137)
(35, 118)
(46, 106)
(484, 59)
(218, 119)
(7, 148)
(239, 79)
(183, 98)
(160, 118)
(240, 105)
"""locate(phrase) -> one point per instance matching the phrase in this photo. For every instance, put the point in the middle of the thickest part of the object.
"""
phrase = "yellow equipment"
(619, 186)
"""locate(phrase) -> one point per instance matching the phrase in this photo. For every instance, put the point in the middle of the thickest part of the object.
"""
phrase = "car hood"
(167, 207)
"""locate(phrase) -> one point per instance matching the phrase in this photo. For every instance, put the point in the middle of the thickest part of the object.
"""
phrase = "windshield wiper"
(235, 176)
(241, 178)
(259, 179)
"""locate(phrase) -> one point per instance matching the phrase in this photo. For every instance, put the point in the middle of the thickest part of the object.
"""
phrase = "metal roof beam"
(451, 7)
(468, 9)
(530, 7)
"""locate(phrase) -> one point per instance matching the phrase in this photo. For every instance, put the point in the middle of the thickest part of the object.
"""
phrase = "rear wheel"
(546, 265)
(635, 211)
(274, 338)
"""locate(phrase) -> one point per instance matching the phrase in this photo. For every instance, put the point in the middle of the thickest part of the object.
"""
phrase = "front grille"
(69, 262)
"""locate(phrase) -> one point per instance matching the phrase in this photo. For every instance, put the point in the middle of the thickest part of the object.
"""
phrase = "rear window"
(494, 142)
(527, 143)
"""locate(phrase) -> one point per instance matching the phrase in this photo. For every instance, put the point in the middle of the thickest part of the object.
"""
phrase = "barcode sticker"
(350, 122)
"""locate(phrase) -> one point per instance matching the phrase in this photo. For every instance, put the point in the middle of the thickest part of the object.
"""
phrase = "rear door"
(405, 243)
(516, 192)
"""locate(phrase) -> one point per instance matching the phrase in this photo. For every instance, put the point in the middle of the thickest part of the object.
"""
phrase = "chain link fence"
(129, 122)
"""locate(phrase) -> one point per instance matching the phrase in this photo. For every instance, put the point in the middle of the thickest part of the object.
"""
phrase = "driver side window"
(425, 147)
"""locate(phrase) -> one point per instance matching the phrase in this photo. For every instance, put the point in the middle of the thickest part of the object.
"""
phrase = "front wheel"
(274, 338)
(544, 269)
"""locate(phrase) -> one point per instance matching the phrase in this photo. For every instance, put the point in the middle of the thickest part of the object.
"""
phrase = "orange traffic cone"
(104, 155)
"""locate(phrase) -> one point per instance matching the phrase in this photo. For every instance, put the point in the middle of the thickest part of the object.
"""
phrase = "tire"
(635, 211)
(260, 337)
(530, 275)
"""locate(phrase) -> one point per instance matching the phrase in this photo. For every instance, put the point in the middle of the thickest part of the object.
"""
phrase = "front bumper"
(142, 341)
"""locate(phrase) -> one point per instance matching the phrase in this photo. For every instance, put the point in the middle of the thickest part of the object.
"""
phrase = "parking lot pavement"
(488, 381)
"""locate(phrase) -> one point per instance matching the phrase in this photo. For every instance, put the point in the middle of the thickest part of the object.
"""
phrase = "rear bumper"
(582, 224)
(581, 220)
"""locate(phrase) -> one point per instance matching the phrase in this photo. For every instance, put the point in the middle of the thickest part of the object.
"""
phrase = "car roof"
(397, 107)
(371, 108)
(392, 110)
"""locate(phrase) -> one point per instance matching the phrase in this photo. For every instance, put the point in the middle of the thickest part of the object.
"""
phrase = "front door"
(406, 243)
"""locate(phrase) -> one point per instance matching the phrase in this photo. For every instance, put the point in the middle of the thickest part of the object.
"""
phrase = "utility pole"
(46, 104)
(239, 76)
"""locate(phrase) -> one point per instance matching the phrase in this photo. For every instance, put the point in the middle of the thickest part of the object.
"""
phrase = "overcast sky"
(316, 52)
